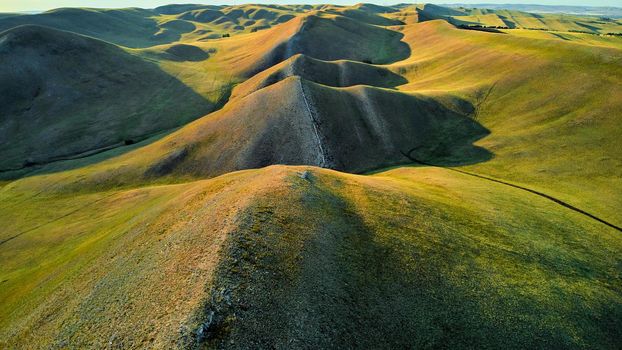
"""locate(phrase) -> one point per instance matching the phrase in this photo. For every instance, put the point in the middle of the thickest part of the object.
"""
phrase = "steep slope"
(332, 73)
(211, 64)
(327, 37)
(63, 94)
(296, 121)
(330, 37)
(302, 257)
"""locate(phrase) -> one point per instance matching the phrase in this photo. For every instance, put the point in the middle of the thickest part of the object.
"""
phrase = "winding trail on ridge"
(537, 193)
(543, 195)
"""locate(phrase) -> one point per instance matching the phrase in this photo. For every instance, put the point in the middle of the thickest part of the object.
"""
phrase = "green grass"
(66, 94)
(516, 19)
(550, 101)
(437, 257)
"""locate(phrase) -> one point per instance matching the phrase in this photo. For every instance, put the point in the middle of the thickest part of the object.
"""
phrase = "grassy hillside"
(310, 177)
(296, 121)
(463, 260)
(127, 27)
(139, 28)
(543, 101)
(342, 73)
(514, 19)
(604, 11)
(64, 94)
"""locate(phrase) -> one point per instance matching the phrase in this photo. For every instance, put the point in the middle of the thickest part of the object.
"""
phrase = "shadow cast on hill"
(184, 52)
(76, 97)
(454, 148)
(350, 275)
(365, 128)
(339, 38)
(88, 158)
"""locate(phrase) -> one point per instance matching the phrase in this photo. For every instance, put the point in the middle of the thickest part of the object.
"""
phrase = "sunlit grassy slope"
(414, 256)
(190, 239)
(514, 19)
(552, 107)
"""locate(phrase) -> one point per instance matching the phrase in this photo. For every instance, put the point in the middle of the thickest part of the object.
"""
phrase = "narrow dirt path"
(543, 195)
(537, 193)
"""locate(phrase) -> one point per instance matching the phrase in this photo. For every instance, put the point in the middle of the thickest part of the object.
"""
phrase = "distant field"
(615, 12)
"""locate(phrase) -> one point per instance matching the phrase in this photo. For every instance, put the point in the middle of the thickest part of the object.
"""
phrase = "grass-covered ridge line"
(274, 254)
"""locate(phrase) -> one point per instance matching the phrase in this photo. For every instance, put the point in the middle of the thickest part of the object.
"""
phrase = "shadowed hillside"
(333, 37)
(64, 94)
(332, 73)
(128, 27)
(139, 28)
(299, 122)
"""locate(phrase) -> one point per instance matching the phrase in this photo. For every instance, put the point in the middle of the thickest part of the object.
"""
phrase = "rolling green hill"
(467, 261)
(264, 176)
(541, 101)
(127, 27)
(64, 94)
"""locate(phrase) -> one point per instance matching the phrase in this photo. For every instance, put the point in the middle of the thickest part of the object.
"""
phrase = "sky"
(39, 5)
